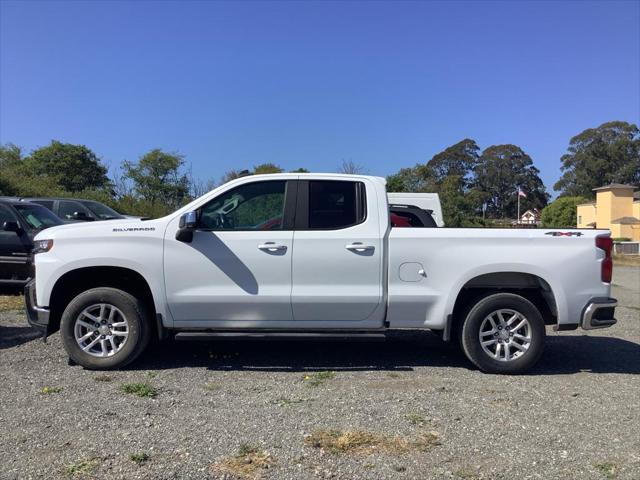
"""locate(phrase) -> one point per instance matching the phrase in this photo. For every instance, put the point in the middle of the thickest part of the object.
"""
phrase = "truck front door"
(14, 250)
(236, 272)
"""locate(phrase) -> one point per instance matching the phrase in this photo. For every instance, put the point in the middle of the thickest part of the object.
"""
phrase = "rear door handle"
(272, 247)
(359, 247)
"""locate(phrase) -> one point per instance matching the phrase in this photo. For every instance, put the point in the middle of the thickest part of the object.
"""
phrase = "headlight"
(42, 246)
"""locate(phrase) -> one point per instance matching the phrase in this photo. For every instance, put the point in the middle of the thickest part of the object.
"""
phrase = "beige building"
(615, 208)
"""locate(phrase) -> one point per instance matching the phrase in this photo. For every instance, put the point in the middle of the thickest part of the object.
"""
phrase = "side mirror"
(186, 227)
(11, 227)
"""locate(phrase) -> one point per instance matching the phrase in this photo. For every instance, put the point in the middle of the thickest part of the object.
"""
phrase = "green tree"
(159, 180)
(458, 160)
(459, 206)
(449, 174)
(10, 160)
(300, 170)
(411, 179)
(266, 168)
(73, 167)
(561, 213)
(599, 156)
(500, 171)
(10, 156)
(17, 179)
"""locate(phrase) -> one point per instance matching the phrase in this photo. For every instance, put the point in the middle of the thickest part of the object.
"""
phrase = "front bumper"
(599, 313)
(36, 316)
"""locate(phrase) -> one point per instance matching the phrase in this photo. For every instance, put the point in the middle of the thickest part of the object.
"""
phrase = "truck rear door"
(337, 255)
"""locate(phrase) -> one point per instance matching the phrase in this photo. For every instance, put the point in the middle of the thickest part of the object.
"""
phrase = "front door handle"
(272, 247)
(359, 247)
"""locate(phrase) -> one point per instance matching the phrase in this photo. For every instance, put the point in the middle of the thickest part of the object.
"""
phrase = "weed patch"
(139, 458)
(82, 468)
(102, 378)
(414, 418)
(607, 469)
(287, 402)
(318, 378)
(143, 390)
(50, 390)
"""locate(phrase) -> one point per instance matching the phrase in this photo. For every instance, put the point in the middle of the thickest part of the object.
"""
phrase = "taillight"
(606, 268)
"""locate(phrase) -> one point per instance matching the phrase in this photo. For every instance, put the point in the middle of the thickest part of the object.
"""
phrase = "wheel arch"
(78, 280)
(529, 285)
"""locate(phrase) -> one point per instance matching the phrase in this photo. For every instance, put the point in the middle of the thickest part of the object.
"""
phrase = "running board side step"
(315, 336)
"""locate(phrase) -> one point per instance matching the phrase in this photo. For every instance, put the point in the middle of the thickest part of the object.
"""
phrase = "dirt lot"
(408, 408)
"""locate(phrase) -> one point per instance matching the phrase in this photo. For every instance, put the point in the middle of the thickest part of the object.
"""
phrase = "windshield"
(101, 211)
(37, 217)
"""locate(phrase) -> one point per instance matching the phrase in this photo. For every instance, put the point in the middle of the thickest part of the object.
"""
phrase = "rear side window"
(335, 204)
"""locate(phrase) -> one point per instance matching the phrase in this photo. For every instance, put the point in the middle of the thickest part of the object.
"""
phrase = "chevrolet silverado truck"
(288, 255)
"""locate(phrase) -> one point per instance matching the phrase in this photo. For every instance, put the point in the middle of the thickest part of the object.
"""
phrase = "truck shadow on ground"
(401, 352)
(15, 336)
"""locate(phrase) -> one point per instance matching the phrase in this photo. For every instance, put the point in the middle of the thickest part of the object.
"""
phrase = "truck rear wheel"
(104, 328)
(503, 333)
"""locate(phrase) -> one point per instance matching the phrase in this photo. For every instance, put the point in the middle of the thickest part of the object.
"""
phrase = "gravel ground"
(576, 416)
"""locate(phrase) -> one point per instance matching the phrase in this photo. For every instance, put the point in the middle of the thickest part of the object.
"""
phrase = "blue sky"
(303, 84)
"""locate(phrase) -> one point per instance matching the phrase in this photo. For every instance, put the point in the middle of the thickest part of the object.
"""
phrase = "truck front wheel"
(104, 328)
(503, 333)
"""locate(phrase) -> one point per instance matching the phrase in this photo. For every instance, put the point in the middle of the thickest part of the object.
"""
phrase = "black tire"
(470, 335)
(139, 328)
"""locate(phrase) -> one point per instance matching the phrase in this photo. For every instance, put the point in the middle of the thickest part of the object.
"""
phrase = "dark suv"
(72, 210)
(20, 221)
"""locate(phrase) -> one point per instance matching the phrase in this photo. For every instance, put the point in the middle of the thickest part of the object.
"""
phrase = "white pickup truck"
(313, 254)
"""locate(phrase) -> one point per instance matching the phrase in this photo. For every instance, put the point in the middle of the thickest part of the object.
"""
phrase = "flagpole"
(518, 219)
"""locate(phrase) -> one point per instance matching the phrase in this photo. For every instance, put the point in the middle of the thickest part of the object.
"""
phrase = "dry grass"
(249, 463)
(9, 303)
(361, 442)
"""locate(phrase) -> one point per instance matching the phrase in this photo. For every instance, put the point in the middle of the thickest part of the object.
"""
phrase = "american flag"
(521, 193)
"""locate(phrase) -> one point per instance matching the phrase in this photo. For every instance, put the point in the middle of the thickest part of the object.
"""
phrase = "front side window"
(5, 216)
(72, 210)
(37, 217)
(101, 211)
(254, 206)
(335, 204)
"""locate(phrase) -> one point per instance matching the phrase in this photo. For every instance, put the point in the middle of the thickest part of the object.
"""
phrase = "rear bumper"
(599, 313)
(36, 316)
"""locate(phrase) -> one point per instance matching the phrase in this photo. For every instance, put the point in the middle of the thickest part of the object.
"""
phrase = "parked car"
(314, 254)
(72, 210)
(411, 216)
(19, 223)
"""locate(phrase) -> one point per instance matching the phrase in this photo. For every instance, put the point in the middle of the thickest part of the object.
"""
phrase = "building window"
(579, 219)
